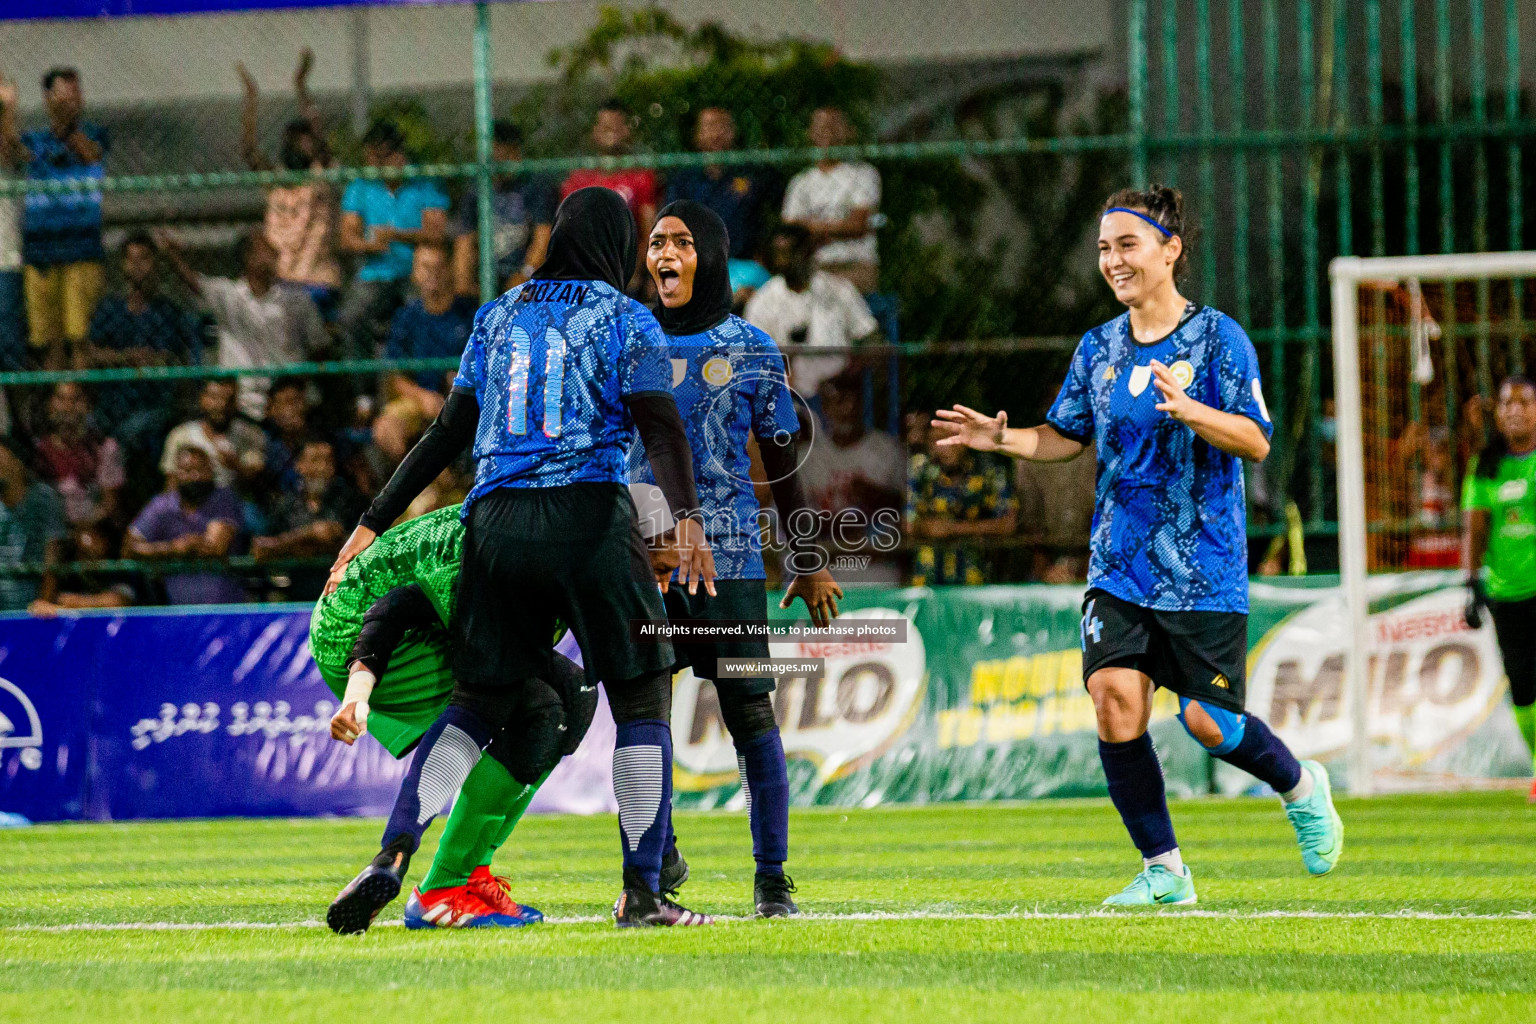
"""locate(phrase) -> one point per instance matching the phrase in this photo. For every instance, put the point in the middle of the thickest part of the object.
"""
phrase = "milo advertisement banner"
(984, 700)
(954, 694)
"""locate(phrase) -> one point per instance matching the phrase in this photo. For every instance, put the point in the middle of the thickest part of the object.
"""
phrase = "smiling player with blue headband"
(1170, 393)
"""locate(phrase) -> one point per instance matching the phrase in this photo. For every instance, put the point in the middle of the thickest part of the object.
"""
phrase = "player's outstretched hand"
(820, 593)
(964, 425)
(355, 545)
(350, 722)
(696, 563)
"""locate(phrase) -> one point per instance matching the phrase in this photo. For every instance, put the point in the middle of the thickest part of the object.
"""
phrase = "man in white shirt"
(804, 307)
(262, 321)
(837, 202)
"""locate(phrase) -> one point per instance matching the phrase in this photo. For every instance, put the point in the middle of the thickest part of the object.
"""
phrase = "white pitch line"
(916, 915)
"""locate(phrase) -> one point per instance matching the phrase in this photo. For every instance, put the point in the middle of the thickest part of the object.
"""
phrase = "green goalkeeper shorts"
(413, 693)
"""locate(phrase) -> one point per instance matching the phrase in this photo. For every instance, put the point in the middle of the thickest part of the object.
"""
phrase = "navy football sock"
(447, 753)
(1262, 755)
(765, 781)
(1136, 789)
(642, 784)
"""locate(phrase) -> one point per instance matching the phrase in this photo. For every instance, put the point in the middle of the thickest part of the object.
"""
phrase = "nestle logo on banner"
(1431, 679)
(863, 702)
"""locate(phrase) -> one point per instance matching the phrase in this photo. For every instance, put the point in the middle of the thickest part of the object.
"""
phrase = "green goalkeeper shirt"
(426, 551)
(1510, 501)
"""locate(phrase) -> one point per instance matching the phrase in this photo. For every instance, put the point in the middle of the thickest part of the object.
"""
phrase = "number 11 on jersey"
(554, 381)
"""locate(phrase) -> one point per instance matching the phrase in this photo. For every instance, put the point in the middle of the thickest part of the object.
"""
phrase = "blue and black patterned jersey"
(551, 363)
(1169, 524)
(730, 386)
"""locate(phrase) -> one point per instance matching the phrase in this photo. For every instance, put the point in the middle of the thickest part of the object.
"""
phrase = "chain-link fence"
(975, 146)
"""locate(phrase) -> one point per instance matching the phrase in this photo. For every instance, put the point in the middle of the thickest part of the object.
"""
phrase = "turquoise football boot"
(1156, 886)
(1319, 831)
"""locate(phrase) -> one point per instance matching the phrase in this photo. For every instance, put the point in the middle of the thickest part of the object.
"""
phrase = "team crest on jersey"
(1110, 373)
(1141, 376)
(1220, 682)
(1183, 373)
(717, 371)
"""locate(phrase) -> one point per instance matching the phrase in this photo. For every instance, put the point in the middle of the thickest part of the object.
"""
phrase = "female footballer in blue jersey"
(731, 388)
(1170, 393)
(558, 376)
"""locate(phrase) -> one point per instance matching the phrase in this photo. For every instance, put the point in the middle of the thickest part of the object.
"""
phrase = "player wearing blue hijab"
(731, 388)
(1169, 391)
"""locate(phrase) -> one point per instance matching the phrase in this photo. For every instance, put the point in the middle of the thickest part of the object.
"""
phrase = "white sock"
(1303, 788)
(1170, 860)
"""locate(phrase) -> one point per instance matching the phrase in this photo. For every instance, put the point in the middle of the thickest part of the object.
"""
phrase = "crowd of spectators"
(278, 467)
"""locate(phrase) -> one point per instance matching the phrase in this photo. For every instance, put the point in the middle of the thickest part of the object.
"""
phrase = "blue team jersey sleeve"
(643, 363)
(354, 199)
(773, 404)
(1238, 383)
(472, 364)
(1072, 412)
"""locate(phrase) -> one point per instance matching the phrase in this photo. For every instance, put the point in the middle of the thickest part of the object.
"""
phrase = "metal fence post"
(489, 286)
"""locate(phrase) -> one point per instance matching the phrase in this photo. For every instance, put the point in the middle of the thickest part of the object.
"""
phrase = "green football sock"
(1526, 718)
(478, 817)
(510, 819)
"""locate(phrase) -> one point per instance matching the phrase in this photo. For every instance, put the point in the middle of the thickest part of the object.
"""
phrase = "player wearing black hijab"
(554, 374)
(732, 391)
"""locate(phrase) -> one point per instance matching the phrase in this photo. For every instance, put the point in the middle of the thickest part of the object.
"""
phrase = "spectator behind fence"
(81, 587)
(80, 462)
(300, 219)
(858, 477)
(261, 321)
(31, 527)
(737, 194)
(61, 232)
(193, 518)
(438, 325)
(287, 428)
(836, 201)
(382, 221)
(311, 519)
(522, 212)
(140, 327)
(612, 136)
(803, 307)
(13, 321)
(236, 448)
(958, 498)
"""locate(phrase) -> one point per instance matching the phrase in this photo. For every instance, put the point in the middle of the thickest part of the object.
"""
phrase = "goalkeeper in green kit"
(381, 643)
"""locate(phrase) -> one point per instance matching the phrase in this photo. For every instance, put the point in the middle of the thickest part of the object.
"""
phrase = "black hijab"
(593, 239)
(710, 303)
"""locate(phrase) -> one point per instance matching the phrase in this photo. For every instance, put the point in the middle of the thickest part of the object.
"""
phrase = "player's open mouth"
(667, 279)
(1121, 280)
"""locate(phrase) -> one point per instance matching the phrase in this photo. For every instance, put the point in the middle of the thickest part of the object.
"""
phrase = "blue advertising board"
(175, 714)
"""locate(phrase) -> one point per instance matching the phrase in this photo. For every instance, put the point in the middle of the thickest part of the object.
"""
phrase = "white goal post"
(1347, 273)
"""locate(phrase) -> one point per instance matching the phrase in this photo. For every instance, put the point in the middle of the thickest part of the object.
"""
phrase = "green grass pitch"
(949, 913)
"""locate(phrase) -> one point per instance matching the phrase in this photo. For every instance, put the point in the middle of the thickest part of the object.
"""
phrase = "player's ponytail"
(1163, 204)
(1498, 445)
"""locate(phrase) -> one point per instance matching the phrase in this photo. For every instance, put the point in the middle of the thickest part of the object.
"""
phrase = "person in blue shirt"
(738, 195)
(61, 232)
(731, 389)
(1170, 393)
(382, 221)
(558, 376)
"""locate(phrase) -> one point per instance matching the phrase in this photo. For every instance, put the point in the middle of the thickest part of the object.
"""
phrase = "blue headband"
(1138, 213)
